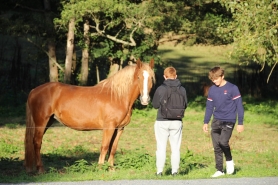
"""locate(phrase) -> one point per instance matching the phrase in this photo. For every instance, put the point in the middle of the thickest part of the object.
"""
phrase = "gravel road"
(220, 181)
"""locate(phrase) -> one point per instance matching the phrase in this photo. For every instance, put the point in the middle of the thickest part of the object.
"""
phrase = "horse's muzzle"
(145, 100)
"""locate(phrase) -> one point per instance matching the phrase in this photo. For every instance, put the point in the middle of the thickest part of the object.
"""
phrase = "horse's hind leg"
(50, 123)
(114, 145)
(39, 132)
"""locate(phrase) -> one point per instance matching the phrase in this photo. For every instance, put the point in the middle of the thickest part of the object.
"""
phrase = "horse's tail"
(29, 144)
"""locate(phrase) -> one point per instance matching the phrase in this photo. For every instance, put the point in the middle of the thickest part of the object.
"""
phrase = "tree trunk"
(53, 69)
(74, 59)
(114, 66)
(85, 55)
(97, 73)
(132, 60)
(69, 52)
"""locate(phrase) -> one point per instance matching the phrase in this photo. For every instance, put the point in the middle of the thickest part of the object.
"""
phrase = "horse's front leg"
(106, 138)
(114, 145)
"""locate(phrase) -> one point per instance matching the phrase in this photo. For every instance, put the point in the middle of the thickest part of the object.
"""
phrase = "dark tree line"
(81, 42)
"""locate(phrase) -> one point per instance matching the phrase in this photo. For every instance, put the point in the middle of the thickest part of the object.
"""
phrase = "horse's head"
(146, 78)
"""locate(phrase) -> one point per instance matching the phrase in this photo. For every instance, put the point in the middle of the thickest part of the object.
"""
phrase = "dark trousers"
(221, 133)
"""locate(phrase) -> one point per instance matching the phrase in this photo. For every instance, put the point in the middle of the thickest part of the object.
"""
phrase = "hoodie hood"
(172, 82)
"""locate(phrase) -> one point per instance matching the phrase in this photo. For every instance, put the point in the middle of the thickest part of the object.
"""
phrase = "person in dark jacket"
(167, 128)
(225, 104)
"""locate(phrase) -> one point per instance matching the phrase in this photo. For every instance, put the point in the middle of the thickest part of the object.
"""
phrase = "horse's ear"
(139, 63)
(152, 63)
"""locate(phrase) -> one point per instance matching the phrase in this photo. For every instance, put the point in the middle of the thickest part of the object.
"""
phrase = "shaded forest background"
(31, 30)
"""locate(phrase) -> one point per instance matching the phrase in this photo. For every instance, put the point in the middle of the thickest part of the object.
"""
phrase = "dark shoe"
(174, 174)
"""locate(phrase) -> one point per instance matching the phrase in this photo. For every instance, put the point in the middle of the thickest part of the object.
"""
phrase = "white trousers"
(165, 130)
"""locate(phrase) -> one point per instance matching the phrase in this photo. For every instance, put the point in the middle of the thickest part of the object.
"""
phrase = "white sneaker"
(230, 167)
(218, 174)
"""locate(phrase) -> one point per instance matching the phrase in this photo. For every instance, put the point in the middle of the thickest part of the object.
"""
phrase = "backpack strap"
(168, 90)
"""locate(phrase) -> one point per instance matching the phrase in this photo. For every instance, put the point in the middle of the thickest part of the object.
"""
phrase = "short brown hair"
(170, 72)
(216, 72)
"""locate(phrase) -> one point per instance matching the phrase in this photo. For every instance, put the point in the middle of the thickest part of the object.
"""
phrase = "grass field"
(70, 155)
(194, 62)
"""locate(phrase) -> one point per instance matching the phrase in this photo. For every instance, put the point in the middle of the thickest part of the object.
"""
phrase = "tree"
(69, 51)
(115, 26)
(85, 55)
(254, 30)
(51, 43)
(118, 30)
(32, 21)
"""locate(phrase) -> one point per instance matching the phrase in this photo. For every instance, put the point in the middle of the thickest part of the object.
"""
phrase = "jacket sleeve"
(209, 108)
(157, 97)
(239, 105)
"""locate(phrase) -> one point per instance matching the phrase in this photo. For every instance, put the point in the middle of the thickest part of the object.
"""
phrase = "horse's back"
(82, 108)
(57, 94)
(44, 91)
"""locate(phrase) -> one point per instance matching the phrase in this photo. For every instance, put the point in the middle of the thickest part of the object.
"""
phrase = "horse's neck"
(134, 93)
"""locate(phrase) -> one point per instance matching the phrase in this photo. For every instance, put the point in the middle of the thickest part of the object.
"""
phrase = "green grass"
(71, 155)
(194, 62)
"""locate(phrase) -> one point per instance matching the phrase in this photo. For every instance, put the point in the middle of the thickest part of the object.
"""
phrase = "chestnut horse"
(106, 106)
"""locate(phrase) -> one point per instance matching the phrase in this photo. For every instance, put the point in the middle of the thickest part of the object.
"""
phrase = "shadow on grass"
(237, 169)
(13, 167)
(185, 169)
(12, 170)
(59, 161)
(76, 161)
(193, 67)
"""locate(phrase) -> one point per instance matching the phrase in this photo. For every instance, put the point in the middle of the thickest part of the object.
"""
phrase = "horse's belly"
(88, 117)
(79, 124)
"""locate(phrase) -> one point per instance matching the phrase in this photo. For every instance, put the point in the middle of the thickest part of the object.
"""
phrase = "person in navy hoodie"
(224, 102)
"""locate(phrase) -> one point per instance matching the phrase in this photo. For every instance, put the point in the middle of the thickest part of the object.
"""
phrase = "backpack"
(173, 103)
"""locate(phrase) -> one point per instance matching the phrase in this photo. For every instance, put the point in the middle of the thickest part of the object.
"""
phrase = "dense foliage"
(254, 30)
(121, 31)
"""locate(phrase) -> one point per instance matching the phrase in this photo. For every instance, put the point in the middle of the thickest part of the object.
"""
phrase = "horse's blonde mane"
(120, 82)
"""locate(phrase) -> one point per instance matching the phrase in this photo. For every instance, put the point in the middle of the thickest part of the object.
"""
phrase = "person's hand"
(205, 127)
(240, 128)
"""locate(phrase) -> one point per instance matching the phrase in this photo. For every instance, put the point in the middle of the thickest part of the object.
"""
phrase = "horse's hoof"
(111, 169)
